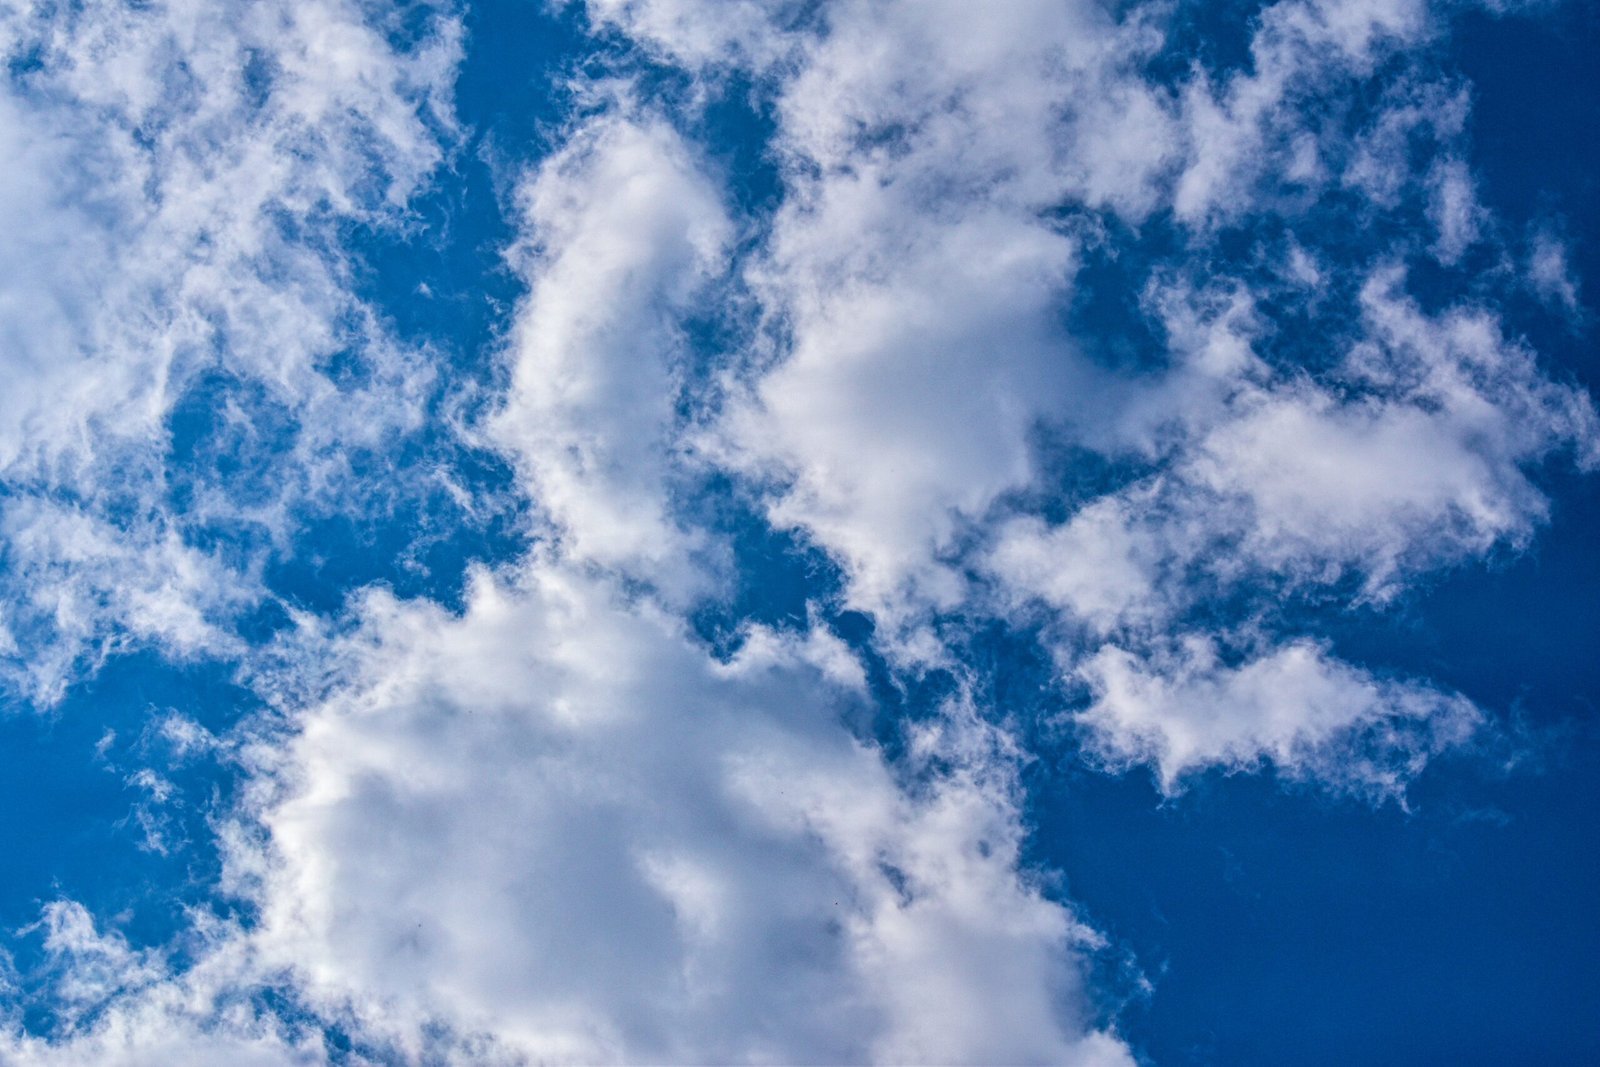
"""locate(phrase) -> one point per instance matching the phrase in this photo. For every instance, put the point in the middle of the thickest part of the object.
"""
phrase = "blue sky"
(644, 530)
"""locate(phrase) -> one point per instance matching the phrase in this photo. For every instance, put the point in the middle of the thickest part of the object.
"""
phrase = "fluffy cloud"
(913, 277)
(1411, 457)
(1453, 209)
(623, 233)
(1296, 707)
(553, 827)
(1422, 465)
(1249, 136)
(72, 571)
(555, 823)
(943, 178)
(1550, 273)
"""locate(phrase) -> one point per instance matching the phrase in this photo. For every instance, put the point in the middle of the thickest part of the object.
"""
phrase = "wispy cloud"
(181, 174)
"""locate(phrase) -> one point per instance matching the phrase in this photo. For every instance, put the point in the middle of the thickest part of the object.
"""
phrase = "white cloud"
(1251, 132)
(556, 823)
(553, 827)
(740, 31)
(1099, 567)
(624, 233)
(1411, 455)
(912, 280)
(906, 400)
(1409, 458)
(1309, 715)
(1378, 162)
(557, 827)
(81, 584)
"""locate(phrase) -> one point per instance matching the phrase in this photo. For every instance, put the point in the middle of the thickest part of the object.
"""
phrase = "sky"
(799, 531)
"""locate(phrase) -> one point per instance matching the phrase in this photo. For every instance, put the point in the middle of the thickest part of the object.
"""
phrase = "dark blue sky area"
(1281, 926)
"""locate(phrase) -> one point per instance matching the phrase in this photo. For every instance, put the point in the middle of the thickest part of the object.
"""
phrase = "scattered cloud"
(550, 822)
(179, 174)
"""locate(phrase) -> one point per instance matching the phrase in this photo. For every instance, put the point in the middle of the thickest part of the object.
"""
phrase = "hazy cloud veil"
(611, 675)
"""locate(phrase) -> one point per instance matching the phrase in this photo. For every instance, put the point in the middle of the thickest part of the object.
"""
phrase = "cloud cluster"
(555, 827)
(553, 824)
(1297, 423)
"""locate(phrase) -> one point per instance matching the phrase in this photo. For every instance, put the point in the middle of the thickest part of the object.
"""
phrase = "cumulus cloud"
(624, 231)
(1257, 131)
(1411, 457)
(554, 826)
(912, 275)
(81, 582)
(555, 822)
